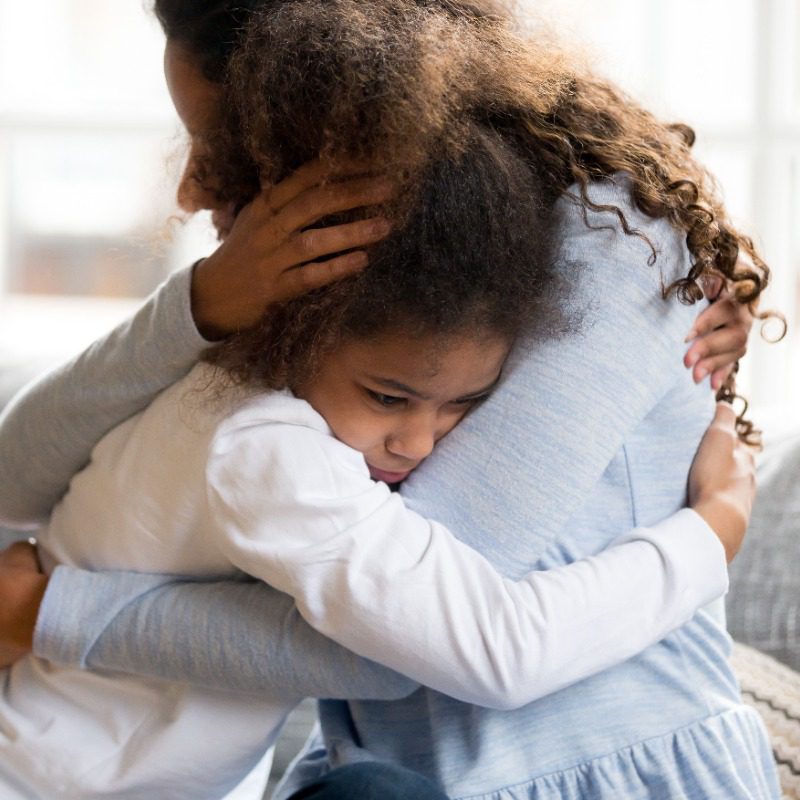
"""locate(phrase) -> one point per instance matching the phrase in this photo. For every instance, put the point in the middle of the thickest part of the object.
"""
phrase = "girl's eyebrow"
(390, 383)
(481, 392)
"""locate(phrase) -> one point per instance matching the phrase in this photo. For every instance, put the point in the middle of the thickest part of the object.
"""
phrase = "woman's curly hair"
(393, 82)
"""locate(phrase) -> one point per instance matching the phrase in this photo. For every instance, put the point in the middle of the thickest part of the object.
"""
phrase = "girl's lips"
(386, 476)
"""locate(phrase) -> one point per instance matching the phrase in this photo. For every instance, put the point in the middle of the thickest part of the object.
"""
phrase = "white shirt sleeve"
(300, 512)
(48, 430)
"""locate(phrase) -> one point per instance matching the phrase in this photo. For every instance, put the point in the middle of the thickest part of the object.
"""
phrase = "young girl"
(217, 476)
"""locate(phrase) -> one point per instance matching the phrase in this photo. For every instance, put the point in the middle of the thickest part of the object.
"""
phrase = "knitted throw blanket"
(773, 689)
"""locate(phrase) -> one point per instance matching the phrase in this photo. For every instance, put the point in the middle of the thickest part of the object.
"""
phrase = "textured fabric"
(773, 690)
(371, 781)
(764, 602)
(590, 433)
(567, 446)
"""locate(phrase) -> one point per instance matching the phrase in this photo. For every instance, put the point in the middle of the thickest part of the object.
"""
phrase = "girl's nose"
(412, 442)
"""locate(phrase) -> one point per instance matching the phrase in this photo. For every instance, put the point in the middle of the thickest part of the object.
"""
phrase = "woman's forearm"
(239, 635)
(48, 430)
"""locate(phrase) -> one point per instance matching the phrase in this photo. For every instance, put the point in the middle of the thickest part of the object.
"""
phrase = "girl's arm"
(299, 511)
(454, 622)
(249, 637)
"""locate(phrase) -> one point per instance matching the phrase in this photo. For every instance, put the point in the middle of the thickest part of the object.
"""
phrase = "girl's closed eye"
(386, 400)
(475, 400)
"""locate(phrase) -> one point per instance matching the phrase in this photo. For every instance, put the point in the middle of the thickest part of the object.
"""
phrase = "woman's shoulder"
(606, 229)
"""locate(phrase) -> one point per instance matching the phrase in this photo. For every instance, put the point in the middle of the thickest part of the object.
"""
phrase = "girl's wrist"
(726, 519)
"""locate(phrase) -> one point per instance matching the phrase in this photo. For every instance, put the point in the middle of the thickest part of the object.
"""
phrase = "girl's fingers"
(718, 377)
(724, 417)
(728, 342)
(302, 279)
(314, 243)
(722, 313)
(722, 363)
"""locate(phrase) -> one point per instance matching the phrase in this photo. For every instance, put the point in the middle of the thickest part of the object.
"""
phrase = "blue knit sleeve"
(243, 635)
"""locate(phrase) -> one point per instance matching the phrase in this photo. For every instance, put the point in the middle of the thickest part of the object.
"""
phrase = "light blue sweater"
(592, 435)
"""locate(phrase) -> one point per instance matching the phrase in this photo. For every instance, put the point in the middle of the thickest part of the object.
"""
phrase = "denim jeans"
(371, 781)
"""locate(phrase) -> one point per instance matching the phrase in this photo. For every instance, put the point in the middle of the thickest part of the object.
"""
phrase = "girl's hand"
(720, 338)
(722, 481)
(22, 587)
(269, 257)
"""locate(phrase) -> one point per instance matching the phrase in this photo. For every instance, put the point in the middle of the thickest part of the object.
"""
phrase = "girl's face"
(196, 100)
(392, 398)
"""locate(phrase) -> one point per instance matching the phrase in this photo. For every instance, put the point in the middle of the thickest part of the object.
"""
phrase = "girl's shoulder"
(209, 398)
(276, 431)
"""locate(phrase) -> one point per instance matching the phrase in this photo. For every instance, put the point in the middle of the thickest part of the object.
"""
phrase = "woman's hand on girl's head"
(22, 587)
(722, 480)
(270, 255)
(719, 338)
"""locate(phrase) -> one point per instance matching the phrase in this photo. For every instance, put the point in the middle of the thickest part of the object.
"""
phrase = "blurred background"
(90, 150)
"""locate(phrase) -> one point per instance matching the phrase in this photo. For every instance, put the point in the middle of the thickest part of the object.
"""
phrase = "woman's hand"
(719, 338)
(722, 481)
(268, 255)
(22, 587)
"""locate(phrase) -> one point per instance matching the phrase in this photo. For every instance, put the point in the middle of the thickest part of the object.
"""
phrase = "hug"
(414, 440)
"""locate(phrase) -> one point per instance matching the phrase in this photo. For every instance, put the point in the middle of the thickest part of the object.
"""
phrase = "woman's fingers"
(299, 280)
(318, 202)
(313, 243)
(304, 178)
(311, 174)
(235, 284)
(20, 555)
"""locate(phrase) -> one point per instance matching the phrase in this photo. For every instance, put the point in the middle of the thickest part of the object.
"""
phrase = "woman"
(586, 463)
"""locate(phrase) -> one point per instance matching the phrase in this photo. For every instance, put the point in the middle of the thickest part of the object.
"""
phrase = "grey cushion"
(764, 601)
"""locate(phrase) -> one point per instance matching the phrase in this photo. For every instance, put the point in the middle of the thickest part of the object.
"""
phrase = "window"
(89, 152)
(731, 69)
